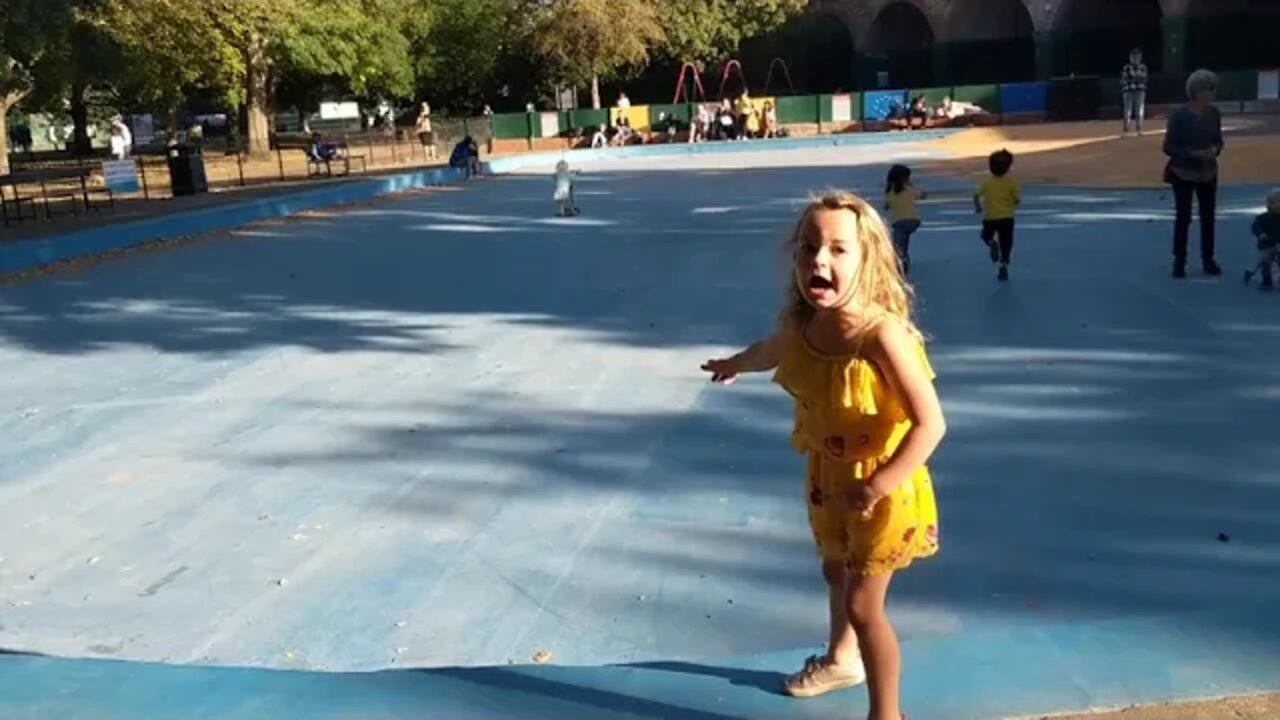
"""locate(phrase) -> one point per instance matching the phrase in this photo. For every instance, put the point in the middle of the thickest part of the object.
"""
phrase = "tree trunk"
(257, 99)
(80, 119)
(595, 92)
(4, 136)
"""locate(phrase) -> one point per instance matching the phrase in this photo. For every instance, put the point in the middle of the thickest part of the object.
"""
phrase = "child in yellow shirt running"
(900, 198)
(997, 198)
(867, 417)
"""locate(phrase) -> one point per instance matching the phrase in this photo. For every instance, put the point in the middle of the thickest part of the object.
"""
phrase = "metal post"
(142, 165)
(240, 166)
(280, 161)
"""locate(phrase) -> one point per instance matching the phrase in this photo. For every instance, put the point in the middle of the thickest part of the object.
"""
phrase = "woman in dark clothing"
(1193, 143)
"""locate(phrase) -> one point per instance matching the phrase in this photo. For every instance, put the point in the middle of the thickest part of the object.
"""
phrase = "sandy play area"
(1094, 154)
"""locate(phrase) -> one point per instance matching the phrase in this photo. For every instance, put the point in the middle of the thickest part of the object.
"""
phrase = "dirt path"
(1093, 154)
(1256, 707)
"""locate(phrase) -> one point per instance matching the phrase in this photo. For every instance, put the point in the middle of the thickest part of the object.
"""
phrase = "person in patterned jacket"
(1133, 86)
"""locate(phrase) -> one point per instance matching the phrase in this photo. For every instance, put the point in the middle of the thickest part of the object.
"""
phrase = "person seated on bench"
(600, 138)
(320, 151)
(466, 157)
(623, 134)
(919, 109)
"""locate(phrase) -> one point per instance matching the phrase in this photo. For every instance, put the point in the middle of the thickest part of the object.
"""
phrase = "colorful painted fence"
(1238, 91)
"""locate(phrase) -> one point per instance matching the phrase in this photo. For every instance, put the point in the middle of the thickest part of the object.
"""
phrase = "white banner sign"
(339, 111)
(120, 176)
(841, 109)
(550, 124)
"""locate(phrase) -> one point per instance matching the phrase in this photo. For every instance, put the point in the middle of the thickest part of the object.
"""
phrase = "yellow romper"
(849, 421)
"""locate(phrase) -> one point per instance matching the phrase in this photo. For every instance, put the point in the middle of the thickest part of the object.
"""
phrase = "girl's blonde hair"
(880, 290)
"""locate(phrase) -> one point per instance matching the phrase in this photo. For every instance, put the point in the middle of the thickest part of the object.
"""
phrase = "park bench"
(318, 165)
(70, 183)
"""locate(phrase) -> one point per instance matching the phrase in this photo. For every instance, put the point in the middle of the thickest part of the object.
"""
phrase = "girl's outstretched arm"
(760, 356)
(896, 353)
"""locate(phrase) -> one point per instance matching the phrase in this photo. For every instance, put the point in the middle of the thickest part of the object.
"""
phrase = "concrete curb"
(34, 253)
(981, 675)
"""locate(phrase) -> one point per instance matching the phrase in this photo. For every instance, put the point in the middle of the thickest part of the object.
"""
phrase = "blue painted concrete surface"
(683, 150)
(27, 254)
(451, 430)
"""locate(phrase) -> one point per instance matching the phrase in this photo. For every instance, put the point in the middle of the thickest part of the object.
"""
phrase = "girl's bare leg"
(879, 643)
(842, 644)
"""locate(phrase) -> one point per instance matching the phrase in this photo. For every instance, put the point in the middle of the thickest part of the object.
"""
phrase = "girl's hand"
(863, 498)
(723, 371)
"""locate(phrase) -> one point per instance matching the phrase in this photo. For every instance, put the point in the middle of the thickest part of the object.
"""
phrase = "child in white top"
(563, 196)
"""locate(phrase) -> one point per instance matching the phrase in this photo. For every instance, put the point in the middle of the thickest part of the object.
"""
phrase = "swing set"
(689, 74)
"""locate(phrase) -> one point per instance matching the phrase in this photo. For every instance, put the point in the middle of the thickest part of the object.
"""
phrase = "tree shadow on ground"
(1105, 427)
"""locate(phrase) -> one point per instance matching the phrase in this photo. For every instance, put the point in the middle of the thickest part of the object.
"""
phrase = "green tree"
(584, 40)
(82, 65)
(30, 35)
(169, 48)
(350, 47)
(465, 52)
(708, 31)
(243, 48)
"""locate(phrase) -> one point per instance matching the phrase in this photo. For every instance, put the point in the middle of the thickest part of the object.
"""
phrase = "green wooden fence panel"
(800, 109)
(680, 112)
(1238, 85)
(824, 108)
(986, 97)
(511, 126)
(589, 119)
(932, 95)
(1109, 91)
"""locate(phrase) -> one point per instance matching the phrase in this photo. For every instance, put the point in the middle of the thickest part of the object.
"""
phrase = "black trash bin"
(186, 170)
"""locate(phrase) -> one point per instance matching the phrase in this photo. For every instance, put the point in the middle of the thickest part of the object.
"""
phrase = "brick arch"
(975, 19)
(1095, 36)
(903, 41)
(860, 15)
(819, 48)
(847, 11)
(865, 12)
(1059, 15)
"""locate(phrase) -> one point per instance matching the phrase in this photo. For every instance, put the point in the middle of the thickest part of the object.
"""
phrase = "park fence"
(1060, 99)
(228, 165)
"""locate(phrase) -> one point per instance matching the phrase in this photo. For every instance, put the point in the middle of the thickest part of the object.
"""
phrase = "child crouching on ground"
(1266, 229)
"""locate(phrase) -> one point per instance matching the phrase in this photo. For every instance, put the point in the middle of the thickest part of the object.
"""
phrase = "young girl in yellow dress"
(867, 417)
